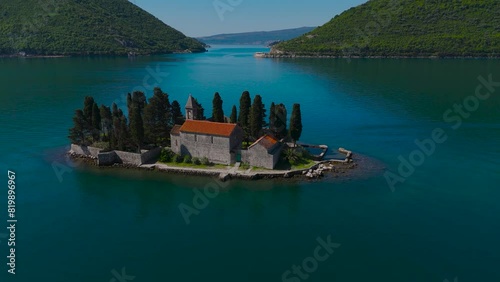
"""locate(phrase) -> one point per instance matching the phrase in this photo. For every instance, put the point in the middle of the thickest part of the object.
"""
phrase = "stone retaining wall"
(128, 158)
(150, 156)
(190, 172)
(85, 150)
(116, 157)
(108, 158)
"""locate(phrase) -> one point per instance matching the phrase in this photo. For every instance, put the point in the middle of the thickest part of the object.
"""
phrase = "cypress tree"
(96, 122)
(257, 116)
(106, 121)
(217, 111)
(157, 118)
(119, 137)
(272, 118)
(124, 135)
(177, 117)
(244, 116)
(77, 134)
(280, 123)
(96, 117)
(136, 103)
(296, 123)
(114, 110)
(234, 116)
(88, 105)
(200, 113)
(129, 102)
(138, 99)
(136, 125)
(115, 127)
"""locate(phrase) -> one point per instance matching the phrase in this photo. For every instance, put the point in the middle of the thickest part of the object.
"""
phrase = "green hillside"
(86, 27)
(443, 28)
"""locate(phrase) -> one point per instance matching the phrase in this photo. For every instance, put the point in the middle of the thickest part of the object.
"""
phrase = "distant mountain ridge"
(86, 27)
(408, 28)
(255, 38)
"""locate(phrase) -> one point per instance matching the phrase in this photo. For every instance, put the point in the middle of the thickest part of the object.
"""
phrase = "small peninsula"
(247, 144)
(404, 28)
(86, 28)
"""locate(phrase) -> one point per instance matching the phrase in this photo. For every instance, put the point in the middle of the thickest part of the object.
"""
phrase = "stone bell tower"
(191, 108)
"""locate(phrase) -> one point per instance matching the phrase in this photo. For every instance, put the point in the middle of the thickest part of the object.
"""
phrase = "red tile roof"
(176, 129)
(266, 141)
(208, 128)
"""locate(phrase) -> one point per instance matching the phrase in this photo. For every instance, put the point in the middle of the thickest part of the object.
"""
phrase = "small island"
(248, 144)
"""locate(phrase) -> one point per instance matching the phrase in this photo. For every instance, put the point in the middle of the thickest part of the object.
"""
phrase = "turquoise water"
(442, 222)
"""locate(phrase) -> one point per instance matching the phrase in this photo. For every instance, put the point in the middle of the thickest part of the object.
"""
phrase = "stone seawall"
(316, 171)
(86, 151)
(116, 157)
(146, 160)
(187, 171)
(108, 158)
(150, 156)
(128, 158)
(223, 175)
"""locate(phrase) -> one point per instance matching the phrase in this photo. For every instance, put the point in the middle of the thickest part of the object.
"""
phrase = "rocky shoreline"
(317, 171)
(33, 56)
(318, 56)
(130, 54)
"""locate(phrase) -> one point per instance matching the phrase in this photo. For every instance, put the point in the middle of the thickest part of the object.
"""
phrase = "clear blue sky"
(200, 17)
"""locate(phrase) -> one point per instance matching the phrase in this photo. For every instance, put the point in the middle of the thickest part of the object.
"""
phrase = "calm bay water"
(442, 222)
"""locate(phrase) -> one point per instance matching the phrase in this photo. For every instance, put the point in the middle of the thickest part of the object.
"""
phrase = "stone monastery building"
(221, 143)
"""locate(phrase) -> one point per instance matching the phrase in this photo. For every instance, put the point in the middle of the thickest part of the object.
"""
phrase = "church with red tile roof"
(221, 143)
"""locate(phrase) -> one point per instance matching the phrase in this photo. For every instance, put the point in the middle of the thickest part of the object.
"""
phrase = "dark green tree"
(115, 125)
(88, 105)
(124, 138)
(217, 111)
(257, 115)
(96, 117)
(234, 115)
(280, 124)
(114, 110)
(296, 123)
(106, 121)
(96, 123)
(119, 136)
(80, 130)
(157, 115)
(200, 113)
(177, 117)
(136, 121)
(138, 99)
(136, 104)
(272, 118)
(244, 116)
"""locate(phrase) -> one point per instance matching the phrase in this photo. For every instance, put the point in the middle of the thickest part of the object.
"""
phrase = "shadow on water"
(152, 192)
(422, 88)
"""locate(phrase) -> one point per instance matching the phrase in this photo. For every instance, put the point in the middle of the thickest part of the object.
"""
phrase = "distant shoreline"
(34, 56)
(96, 55)
(278, 56)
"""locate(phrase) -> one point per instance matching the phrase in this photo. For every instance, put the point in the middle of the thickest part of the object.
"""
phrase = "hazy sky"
(201, 17)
